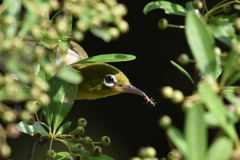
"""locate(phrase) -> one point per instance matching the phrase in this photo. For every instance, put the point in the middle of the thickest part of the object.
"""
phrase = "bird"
(100, 80)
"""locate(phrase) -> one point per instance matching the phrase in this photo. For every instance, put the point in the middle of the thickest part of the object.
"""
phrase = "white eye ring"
(110, 80)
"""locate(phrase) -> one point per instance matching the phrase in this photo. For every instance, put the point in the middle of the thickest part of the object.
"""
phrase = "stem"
(33, 148)
(176, 26)
(219, 6)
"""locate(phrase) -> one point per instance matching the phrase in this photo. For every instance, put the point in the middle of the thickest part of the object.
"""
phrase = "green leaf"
(167, 6)
(106, 58)
(61, 156)
(210, 119)
(12, 9)
(70, 75)
(195, 132)
(63, 95)
(202, 45)
(64, 127)
(221, 149)
(95, 157)
(32, 129)
(102, 33)
(30, 19)
(177, 138)
(217, 107)
(18, 69)
(222, 29)
(181, 69)
(229, 94)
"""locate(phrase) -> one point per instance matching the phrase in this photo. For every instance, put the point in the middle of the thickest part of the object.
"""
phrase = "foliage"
(213, 37)
(35, 38)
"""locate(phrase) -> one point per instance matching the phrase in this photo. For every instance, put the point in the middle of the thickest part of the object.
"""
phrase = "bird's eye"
(109, 80)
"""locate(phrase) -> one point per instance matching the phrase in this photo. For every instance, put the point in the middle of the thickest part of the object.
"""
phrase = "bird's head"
(102, 80)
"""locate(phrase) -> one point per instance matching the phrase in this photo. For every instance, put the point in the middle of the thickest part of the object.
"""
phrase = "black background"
(127, 119)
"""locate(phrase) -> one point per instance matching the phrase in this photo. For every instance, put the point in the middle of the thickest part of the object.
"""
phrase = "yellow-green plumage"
(100, 80)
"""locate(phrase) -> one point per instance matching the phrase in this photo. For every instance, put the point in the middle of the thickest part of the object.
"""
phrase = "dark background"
(127, 119)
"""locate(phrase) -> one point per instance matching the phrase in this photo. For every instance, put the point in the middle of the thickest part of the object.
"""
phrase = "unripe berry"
(9, 116)
(44, 99)
(114, 32)
(78, 35)
(12, 130)
(167, 92)
(25, 115)
(5, 151)
(163, 23)
(97, 150)
(82, 122)
(33, 106)
(197, 4)
(123, 26)
(237, 23)
(80, 130)
(105, 140)
(165, 121)
(87, 140)
(135, 158)
(183, 59)
(51, 153)
(177, 96)
(82, 26)
(147, 152)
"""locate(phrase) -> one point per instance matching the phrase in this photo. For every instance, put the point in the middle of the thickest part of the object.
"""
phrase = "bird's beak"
(134, 90)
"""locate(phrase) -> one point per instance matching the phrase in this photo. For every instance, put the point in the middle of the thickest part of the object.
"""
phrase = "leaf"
(177, 138)
(70, 75)
(18, 69)
(30, 19)
(12, 8)
(217, 107)
(64, 127)
(63, 95)
(95, 157)
(222, 29)
(102, 33)
(202, 45)
(221, 149)
(195, 132)
(181, 69)
(61, 156)
(168, 7)
(32, 129)
(210, 119)
(106, 58)
(229, 94)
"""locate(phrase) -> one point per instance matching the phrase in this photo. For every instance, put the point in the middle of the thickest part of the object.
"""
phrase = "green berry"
(5, 151)
(135, 158)
(163, 23)
(80, 130)
(167, 92)
(165, 121)
(147, 152)
(183, 59)
(177, 96)
(97, 150)
(51, 153)
(197, 4)
(105, 140)
(237, 23)
(87, 140)
(82, 122)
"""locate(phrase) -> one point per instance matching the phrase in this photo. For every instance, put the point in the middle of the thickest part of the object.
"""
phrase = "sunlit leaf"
(221, 149)
(177, 139)
(196, 127)
(167, 6)
(70, 75)
(64, 127)
(217, 107)
(222, 28)
(197, 36)
(32, 129)
(102, 33)
(106, 58)
(181, 69)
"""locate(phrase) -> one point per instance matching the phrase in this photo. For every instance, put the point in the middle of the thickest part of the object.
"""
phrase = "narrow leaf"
(106, 58)
(217, 107)
(221, 149)
(64, 127)
(70, 75)
(177, 139)
(102, 33)
(167, 6)
(202, 45)
(196, 132)
(181, 69)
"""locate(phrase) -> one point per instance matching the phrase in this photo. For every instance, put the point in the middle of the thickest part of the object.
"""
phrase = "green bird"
(100, 80)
